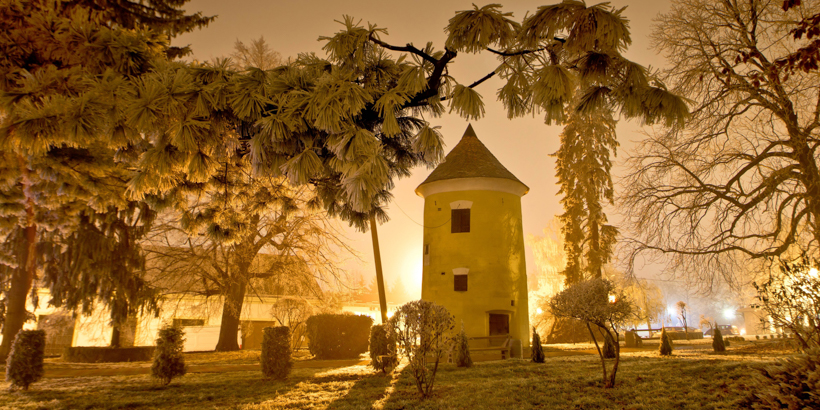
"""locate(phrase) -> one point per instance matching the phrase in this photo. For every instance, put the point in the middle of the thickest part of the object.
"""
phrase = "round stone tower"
(474, 243)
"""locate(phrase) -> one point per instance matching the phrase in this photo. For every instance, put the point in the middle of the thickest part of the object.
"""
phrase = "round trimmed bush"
(276, 354)
(168, 359)
(24, 365)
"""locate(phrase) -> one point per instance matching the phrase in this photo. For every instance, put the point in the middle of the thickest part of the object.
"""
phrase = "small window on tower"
(460, 220)
(460, 283)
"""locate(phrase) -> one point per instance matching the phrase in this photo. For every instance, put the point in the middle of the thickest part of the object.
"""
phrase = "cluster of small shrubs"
(168, 359)
(276, 353)
(537, 349)
(24, 365)
(382, 348)
(343, 336)
(789, 384)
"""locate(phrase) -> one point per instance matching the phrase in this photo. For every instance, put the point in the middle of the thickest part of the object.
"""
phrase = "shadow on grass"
(366, 392)
(234, 389)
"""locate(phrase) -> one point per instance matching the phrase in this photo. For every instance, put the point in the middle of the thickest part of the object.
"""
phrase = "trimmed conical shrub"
(666, 344)
(382, 348)
(24, 365)
(537, 350)
(463, 358)
(276, 355)
(717, 341)
(168, 359)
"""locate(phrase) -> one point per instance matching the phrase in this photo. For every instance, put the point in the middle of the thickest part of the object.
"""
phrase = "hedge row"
(338, 336)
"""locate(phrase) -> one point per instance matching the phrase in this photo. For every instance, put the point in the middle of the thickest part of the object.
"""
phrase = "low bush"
(462, 349)
(94, 354)
(665, 348)
(422, 332)
(382, 348)
(276, 353)
(790, 384)
(24, 365)
(168, 359)
(343, 336)
(537, 349)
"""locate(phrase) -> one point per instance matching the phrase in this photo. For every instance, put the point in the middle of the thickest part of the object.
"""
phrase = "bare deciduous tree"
(791, 300)
(257, 55)
(422, 332)
(293, 311)
(596, 302)
(741, 181)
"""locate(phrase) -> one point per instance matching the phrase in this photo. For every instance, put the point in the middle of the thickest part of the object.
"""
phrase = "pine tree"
(353, 122)
(66, 143)
(102, 261)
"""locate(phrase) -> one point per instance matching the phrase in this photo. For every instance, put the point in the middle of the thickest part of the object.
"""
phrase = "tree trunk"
(115, 337)
(596, 247)
(231, 309)
(374, 234)
(19, 288)
(611, 382)
(600, 353)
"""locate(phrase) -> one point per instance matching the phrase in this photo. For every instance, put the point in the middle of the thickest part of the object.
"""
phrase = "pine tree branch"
(409, 48)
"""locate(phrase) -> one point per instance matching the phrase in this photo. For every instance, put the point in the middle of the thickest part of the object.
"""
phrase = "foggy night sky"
(523, 145)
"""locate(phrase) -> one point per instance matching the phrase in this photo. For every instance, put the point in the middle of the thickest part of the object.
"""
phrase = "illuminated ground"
(693, 378)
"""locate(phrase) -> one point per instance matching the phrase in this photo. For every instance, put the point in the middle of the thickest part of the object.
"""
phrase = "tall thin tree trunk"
(115, 336)
(374, 234)
(596, 247)
(23, 276)
(231, 310)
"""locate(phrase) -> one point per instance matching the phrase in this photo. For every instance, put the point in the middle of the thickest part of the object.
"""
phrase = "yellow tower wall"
(493, 251)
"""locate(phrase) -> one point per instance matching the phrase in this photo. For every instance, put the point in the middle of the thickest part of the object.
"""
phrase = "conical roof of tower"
(470, 159)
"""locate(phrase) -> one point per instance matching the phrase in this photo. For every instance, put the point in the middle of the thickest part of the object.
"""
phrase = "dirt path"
(131, 371)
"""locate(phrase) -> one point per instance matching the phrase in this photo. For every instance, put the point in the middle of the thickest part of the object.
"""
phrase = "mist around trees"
(100, 136)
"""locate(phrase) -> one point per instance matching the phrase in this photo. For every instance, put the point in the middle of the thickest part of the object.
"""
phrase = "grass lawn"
(693, 378)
